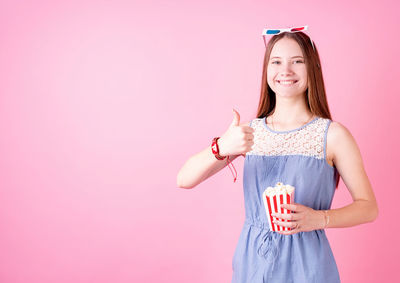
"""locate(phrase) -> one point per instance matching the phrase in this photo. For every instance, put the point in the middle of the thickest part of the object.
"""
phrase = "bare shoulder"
(339, 139)
(338, 131)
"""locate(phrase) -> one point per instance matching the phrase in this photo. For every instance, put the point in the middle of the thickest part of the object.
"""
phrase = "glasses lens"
(297, 29)
(273, 31)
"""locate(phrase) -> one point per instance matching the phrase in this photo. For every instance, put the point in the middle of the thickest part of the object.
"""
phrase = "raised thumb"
(236, 118)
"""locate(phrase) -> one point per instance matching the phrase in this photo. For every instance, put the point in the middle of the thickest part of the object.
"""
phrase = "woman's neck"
(290, 111)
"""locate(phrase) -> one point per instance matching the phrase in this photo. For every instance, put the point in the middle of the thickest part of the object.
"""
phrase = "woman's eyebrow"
(291, 57)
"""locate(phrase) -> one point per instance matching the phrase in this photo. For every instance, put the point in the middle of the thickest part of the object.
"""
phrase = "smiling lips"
(286, 82)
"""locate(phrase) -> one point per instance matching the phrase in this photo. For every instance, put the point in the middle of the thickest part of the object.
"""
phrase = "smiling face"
(287, 73)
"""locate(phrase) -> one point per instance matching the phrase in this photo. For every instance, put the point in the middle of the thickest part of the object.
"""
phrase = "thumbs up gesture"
(238, 139)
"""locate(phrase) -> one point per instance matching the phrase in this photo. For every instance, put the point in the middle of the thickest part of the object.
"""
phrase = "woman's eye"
(278, 62)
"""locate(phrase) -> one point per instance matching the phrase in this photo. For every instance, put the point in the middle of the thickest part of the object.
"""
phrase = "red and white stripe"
(273, 204)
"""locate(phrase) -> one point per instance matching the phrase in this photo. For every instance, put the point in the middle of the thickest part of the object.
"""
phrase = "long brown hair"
(315, 94)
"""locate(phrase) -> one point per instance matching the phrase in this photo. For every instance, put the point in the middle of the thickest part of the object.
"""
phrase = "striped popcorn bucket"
(273, 197)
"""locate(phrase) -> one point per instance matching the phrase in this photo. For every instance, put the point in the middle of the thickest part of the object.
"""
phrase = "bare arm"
(348, 161)
(236, 141)
(200, 167)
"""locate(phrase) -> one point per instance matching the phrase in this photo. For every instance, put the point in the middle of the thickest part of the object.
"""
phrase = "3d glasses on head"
(267, 32)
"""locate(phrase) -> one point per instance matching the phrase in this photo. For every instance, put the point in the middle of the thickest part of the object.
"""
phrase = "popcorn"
(273, 197)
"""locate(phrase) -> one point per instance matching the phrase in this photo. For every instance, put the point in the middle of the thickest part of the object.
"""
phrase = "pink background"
(102, 102)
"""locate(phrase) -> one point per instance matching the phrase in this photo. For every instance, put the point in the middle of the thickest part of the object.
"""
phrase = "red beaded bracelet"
(215, 150)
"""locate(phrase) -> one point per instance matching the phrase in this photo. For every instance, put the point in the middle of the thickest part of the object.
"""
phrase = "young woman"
(293, 140)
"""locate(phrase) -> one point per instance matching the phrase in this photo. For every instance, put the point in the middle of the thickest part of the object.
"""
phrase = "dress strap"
(326, 135)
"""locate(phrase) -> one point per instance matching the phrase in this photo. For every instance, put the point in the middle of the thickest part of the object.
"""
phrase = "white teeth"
(286, 82)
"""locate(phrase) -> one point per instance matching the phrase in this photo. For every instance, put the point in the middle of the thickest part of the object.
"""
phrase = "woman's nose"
(286, 68)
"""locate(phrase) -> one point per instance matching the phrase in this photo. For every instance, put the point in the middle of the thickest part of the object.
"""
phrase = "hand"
(238, 139)
(301, 219)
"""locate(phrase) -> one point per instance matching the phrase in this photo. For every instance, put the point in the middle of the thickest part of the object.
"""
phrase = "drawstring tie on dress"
(268, 249)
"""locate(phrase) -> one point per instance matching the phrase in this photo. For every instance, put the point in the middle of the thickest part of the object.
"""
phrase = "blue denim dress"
(298, 158)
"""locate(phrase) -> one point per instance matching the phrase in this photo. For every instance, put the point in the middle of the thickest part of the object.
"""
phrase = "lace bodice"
(308, 140)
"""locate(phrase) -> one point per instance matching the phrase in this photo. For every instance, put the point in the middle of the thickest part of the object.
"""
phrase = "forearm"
(200, 167)
(356, 213)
